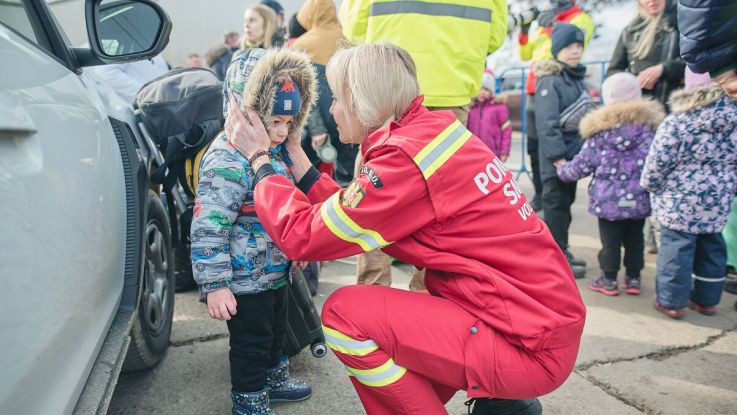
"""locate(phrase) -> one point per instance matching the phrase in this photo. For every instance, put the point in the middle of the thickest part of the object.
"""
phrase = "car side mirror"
(123, 31)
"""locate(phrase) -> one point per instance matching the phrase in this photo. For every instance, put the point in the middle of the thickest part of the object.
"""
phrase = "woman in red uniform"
(504, 316)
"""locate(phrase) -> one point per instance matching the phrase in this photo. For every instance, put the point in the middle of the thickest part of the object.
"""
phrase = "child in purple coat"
(617, 138)
(489, 118)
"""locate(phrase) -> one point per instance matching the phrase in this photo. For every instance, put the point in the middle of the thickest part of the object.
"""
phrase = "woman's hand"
(728, 82)
(650, 76)
(221, 304)
(246, 135)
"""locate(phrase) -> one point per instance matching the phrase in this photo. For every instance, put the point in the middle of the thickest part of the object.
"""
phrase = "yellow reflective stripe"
(346, 229)
(383, 375)
(346, 345)
(441, 148)
(506, 125)
(436, 141)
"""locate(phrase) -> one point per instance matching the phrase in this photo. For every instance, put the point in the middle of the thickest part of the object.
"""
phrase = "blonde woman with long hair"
(649, 49)
(260, 25)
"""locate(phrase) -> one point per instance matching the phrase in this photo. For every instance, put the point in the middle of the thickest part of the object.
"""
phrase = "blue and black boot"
(284, 389)
(251, 403)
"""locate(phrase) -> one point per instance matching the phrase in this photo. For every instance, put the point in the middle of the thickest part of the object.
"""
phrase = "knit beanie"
(287, 100)
(620, 87)
(488, 80)
(565, 34)
(695, 80)
(274, 5)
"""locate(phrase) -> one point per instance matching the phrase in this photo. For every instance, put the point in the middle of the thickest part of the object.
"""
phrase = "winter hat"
(565, 34)
(287, 100)
(620, 87)
(488, 80)
(274, 5)
(695, 80)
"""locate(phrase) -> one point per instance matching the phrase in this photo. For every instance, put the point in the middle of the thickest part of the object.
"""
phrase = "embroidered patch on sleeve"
(353, 195)
(373, 177)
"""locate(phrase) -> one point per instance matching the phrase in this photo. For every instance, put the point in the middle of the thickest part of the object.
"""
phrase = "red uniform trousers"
(407, 352)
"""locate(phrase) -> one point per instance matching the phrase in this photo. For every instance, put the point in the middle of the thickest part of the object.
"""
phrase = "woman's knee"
(344, 302)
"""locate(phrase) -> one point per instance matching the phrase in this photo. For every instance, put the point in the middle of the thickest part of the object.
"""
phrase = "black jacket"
(218, 60)
(665, 50)
(558, 86)
(708, 34)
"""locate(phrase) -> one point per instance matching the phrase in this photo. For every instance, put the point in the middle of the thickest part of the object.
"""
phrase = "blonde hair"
(380, 81)
(647, 38)
(270, 25)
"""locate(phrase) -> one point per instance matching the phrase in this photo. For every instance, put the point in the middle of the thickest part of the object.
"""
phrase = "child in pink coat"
(489, 118)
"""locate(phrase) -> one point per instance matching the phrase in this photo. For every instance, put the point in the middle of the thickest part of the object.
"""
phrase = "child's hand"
(246, 135)
(221, 304)
(559, 163)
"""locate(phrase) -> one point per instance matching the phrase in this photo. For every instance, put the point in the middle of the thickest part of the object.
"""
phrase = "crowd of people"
(347, 134)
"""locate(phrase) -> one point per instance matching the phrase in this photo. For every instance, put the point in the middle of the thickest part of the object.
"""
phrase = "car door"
(62, 219)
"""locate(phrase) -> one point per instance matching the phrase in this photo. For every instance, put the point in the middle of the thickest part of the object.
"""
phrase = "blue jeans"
(690, 265)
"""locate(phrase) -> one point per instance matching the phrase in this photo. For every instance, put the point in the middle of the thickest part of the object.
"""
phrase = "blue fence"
(523, 73)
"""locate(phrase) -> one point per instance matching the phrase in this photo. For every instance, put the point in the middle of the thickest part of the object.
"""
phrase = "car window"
(69, 15)
(20, 16)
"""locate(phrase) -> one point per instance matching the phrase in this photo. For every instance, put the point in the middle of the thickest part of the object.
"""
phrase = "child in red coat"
(489, 118)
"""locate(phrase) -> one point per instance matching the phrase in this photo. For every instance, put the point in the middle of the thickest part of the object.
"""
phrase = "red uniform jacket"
(433, 195)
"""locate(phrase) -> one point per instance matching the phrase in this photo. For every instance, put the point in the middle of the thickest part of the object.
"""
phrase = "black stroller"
(180, 114)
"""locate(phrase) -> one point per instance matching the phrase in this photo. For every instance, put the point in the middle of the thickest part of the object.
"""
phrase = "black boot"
(486, 406)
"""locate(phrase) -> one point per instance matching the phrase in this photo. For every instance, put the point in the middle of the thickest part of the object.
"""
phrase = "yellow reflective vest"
(448, 40)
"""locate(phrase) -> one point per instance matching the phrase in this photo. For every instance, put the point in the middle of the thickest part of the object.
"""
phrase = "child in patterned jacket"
(241, 272)
(691, 173)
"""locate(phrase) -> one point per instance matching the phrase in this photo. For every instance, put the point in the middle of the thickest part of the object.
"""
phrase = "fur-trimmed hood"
(257, 73)
(641, 111)
(555, 67)
(687, 100)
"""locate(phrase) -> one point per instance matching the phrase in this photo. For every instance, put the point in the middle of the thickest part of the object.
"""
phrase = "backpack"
(182, 110)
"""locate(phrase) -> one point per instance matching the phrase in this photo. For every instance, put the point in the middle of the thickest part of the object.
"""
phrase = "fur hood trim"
(275, 67)
(547, 67)
(688, 100)
(641, 111)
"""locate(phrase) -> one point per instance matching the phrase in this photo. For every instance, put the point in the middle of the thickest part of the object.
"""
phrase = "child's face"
(571, 54)
(280, 131)
(484, 95)
(253, 27)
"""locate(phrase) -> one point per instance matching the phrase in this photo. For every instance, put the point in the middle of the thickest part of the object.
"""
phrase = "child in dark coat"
(489, 118)
(616, 141)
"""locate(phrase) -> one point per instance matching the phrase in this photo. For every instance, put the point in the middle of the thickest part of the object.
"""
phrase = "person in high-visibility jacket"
(496, 323)
(536, 47)
(448, 40)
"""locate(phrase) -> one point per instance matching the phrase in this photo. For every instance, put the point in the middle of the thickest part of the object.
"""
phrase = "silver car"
(87, 274)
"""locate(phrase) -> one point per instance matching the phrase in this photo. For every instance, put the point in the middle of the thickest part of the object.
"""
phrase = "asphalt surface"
(632, 359)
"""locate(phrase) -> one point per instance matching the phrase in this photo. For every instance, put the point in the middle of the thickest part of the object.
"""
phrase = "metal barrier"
(523, 105)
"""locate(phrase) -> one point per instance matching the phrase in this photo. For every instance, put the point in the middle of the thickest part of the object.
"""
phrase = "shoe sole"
(289, 400)
(610, 293)
(632, 291)
(695, 308)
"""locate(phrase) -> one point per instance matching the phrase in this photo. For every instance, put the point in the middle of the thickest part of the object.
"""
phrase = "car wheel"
(152, 327)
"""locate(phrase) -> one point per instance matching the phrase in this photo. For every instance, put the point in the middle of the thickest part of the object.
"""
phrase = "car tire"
(152, 327)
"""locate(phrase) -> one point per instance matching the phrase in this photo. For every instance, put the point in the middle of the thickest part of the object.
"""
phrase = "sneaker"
(707, 310)
(631, 286)
(282, 388)
(604, 286)
(675, 313)
(493, 406)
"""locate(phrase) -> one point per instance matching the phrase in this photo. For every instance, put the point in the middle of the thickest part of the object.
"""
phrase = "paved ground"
(632, 359)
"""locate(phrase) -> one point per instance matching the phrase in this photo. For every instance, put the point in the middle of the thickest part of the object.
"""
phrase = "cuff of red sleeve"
(263, 172)
(308, 180)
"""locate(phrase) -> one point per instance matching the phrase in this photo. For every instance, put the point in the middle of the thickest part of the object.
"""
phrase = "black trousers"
(614, 235)
(532, 145)
(257, 334)
(557, 199)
